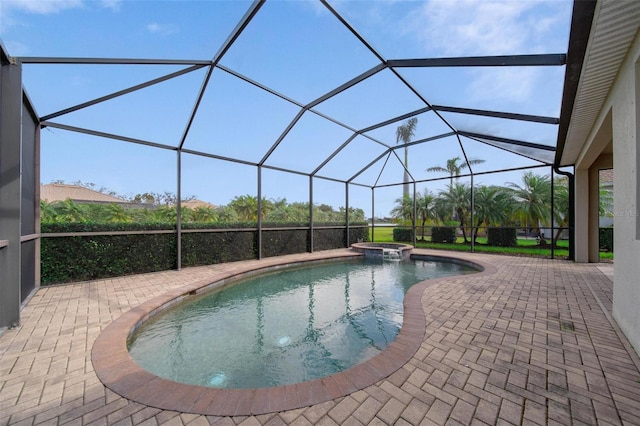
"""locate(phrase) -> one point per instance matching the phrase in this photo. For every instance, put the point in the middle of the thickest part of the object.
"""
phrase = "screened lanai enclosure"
(272, 101)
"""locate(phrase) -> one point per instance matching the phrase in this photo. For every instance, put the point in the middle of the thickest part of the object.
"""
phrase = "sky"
(300, 51)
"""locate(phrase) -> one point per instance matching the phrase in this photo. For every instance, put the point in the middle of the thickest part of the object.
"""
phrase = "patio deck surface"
(531, 342)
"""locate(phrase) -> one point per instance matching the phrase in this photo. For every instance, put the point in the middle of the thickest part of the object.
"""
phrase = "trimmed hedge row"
(80, 258)
(443, 234)
(330, 238)
(502, 237)
(285, 241)
(606, 239)
(68, 259)
(207, 248)
(403, 235)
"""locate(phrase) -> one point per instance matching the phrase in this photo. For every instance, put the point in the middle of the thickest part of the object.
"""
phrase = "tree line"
(161, 208)
(526, 204)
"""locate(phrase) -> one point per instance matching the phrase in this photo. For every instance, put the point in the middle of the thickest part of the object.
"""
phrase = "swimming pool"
(283, 327)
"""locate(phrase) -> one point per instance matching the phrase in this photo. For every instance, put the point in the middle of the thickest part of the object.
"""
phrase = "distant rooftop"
(606, 176)
(53, 192)
(194, 204)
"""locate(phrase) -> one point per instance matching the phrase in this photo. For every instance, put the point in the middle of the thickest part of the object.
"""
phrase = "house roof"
(59, 192)
(597, 49)
(194, 204)
(606, 176)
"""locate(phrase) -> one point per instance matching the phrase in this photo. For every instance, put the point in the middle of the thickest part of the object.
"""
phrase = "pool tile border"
(117, 370)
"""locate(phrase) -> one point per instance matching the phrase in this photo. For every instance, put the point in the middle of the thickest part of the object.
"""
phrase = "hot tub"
(387, 251)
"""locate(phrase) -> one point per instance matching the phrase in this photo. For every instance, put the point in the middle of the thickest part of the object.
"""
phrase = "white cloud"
(315, 6)
(469, 27)
(42, 7)
(488, 28)
(10, 10)
(512, 84)
(165, 29)
(114, 5)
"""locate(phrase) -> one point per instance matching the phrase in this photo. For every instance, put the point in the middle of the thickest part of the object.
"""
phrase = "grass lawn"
(526, 246)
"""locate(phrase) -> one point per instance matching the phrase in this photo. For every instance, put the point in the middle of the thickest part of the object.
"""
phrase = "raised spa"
(283, 327)
(385, 251)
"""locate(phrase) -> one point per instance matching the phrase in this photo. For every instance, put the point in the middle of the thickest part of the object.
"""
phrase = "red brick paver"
(532, 342)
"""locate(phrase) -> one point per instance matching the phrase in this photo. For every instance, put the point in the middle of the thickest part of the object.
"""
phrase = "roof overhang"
(601, 34)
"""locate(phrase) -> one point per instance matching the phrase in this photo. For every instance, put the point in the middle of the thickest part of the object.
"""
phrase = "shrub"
(206, 248)
(285, 241)
(502, 237)
(87, 257)
(330, 238)
(606, 239)
(80, 258)
(443, 234)
(404, 235)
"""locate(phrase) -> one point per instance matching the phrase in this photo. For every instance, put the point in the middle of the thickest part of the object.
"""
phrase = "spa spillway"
(385, 251)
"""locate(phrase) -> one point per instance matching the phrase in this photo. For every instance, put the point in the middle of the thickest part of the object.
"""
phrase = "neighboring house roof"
(53, 192)
(194, 204)
(606, 177)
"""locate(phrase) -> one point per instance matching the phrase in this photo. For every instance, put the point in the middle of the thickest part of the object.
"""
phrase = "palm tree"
(533, 199)
(300, 211)
(165, 214)
(458, 199)
(605, 202)
(186, 214)
(68, 211)
(493, 206)
(403, 209)
(453, 168)
(115, 213)
(246, 206)
(282, 214)
(47, 212)
(355, 214)
(204, 214)
(266, 207)
(143, 215)
(227, 214)
(321, 213)
(404, 133)
(425, 205)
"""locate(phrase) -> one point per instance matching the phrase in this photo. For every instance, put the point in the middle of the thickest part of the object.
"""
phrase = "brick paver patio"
(531, 343)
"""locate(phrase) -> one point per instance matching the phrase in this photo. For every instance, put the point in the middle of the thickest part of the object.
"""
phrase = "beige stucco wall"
(626, 291)
(618, 122)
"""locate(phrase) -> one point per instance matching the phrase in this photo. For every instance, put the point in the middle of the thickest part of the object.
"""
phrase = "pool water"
(283, 327)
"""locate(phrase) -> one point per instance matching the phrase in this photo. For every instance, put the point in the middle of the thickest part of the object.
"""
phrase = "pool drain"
(284, 341)
(218, 380)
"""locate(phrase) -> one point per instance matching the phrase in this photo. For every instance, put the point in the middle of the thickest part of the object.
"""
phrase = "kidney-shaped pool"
(283, 327)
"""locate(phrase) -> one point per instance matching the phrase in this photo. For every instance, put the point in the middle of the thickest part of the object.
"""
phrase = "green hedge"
(87, 257)
(330, 238)
(53, 228)
(285, 241)
(404, 235)
(502, 237)
(67, 259)
(443, 234)
(606, 239)
(207, 248)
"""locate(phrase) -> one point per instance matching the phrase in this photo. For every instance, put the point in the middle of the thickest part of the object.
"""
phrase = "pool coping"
(117, 370)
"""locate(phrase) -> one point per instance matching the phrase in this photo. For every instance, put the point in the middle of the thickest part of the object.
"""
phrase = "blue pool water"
(283, 327)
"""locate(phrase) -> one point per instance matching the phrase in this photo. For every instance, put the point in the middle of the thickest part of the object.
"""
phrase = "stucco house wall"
(623, 102)
(603, 133)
